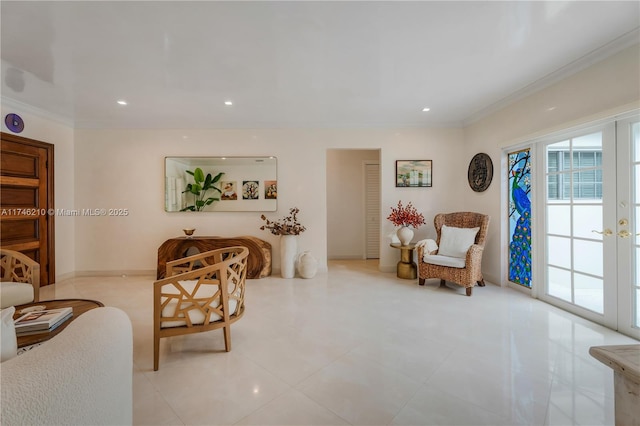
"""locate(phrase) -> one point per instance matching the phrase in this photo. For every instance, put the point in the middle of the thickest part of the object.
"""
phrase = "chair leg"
(469, 290)
(481, 282)
(227, 338)
(156, 352)
(443, 283)
(420, 281)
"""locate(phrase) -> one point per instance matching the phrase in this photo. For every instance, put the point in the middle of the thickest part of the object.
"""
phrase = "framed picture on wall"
(413, 173)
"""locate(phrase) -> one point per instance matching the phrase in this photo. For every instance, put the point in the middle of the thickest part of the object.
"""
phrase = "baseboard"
(388, 268)
(66, 276)
(133, 272)
(347, 257)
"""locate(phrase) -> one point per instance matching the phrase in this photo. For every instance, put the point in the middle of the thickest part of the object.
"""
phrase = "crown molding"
(12, 104)
(627, 40)
(618, 113)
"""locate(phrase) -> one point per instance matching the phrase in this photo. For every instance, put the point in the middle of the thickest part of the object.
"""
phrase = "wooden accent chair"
(201, 293)
(20, 278)
(465, 269)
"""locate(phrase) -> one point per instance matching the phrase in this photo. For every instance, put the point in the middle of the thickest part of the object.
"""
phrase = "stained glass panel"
(520, 217)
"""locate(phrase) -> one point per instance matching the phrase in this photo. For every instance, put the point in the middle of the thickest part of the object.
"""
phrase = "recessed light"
(228, 103)
(425, 109)
(122, 102)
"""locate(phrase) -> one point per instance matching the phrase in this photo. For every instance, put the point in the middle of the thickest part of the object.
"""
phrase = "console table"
(258, 262)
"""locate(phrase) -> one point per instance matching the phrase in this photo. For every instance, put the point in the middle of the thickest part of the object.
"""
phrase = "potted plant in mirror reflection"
(200, 188)
(406, 217)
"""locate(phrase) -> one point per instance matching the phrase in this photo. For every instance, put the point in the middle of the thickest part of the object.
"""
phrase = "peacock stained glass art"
(519, 179)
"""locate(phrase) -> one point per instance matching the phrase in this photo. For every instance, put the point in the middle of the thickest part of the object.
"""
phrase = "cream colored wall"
(124, 169)
(608, 86)
(61, 136)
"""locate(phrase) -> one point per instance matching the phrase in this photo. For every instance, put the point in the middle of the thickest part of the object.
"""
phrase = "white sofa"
(83, 376)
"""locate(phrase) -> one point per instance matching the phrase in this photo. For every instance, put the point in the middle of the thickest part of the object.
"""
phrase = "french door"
(590, 218)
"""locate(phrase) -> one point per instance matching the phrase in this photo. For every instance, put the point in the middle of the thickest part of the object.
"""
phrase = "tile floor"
(362, 347)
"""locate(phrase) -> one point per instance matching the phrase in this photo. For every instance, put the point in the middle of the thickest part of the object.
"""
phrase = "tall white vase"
(405, 235)
(288, 251)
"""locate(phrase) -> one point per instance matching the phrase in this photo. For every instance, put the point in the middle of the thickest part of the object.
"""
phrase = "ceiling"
(296, 63)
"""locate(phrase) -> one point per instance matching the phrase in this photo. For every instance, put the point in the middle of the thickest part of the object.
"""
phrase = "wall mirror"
(246, 184)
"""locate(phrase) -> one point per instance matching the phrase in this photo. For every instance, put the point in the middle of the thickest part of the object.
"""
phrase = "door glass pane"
(592, 141)
(559, 220)
(559, 283)
(637, 324)
(587, 185)
(636, 173)
(587, 257)
(586, 219)
(559, 253)
(635, 136)
(589, 292)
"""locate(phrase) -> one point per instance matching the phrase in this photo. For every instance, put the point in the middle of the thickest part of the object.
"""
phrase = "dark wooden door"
(26, 201)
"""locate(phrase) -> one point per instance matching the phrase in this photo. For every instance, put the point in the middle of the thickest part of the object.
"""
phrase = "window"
(586, 175)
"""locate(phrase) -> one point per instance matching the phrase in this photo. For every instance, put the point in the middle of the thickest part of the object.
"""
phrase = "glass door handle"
(607, 232)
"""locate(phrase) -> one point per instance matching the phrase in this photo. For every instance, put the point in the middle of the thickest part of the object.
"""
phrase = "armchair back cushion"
(455, 242)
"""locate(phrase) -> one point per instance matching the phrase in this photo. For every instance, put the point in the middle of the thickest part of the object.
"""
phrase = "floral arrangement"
(288, 225)
(406, 216)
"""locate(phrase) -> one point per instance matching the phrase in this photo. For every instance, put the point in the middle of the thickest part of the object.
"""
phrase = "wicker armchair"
(201, 292)
(19, 277)
(466, 274)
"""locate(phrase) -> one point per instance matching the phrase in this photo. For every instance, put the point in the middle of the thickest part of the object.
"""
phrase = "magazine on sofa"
(42, 321)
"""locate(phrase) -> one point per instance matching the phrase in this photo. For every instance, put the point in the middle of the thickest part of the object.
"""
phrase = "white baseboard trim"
(131, 272)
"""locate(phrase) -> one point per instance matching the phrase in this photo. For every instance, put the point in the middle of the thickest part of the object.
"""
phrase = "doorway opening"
(353, 204)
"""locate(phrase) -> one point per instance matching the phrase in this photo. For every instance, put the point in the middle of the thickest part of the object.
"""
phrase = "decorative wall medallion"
(480, 172)
(14, 123)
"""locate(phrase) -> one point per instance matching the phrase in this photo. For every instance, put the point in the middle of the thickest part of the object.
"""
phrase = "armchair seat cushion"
(12, 294)
(195, 315)
(437, 259)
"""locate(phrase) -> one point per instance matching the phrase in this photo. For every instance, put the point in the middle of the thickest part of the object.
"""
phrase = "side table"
(624, 360)
(79, 306)
(407, 268)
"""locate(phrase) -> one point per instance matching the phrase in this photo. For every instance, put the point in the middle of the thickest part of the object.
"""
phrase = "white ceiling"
(296, 64)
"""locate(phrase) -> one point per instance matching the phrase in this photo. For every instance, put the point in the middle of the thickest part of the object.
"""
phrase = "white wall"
(61, 135)
(345, 202)
(609, 85)
(124, 169)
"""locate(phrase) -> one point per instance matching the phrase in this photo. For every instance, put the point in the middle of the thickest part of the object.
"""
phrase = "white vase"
(307, 265)
(405, 235)
(288, 251)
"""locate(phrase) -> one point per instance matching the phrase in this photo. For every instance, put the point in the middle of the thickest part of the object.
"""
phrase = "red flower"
(406, 216)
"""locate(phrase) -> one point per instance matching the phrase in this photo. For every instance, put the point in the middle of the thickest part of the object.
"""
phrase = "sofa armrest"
(82, 376)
